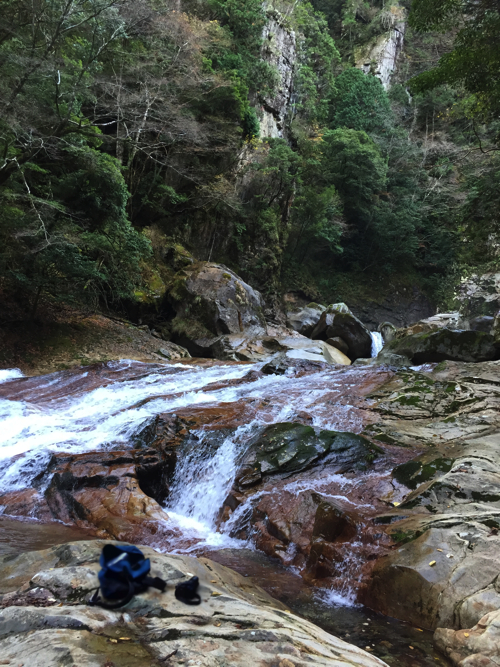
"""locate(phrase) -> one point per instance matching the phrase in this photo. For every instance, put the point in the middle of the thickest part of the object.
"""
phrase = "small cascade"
(202, 482)
(377, 342)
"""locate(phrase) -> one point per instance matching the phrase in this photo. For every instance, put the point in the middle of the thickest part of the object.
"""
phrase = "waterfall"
(202, 483)
(377, 342)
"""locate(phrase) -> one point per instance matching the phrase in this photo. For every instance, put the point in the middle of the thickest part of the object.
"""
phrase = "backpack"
(124, 572)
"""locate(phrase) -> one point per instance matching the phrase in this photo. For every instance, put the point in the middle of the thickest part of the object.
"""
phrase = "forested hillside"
(136, 132)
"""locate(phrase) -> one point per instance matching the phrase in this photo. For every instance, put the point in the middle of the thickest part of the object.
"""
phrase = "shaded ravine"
(104, 408)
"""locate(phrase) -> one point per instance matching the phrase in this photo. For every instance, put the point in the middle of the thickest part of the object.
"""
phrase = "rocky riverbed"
(375, 483)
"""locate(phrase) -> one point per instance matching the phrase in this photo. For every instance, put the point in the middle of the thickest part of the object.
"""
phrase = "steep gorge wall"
(280, 51)
(380, 55)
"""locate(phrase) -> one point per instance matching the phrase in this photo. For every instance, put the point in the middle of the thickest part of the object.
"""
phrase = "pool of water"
(397, 643)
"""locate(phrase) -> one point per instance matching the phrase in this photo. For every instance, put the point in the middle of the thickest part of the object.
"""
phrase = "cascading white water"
(79, 417)
(10, 374)
(377, 342)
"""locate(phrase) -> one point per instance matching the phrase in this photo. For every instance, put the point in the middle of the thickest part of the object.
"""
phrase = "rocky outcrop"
(210, 300)
(445, 520)
(446, 344)
(44, 619)
(380, 56)
(338, 321)
(479, 295)
(434, 323)
(172, 352)
(117, 494)
(477, 647)
(279, 49)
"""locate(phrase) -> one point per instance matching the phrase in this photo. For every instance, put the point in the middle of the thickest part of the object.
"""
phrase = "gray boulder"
(304, 321)
(482, 323)
(479, 295)
(210, 301)
(338, 321)
(292, 447)
(261, 348)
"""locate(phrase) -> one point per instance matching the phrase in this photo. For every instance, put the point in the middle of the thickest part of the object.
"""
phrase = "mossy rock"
(446, 345)
(290, 447)
(210, 301)
(416, 472)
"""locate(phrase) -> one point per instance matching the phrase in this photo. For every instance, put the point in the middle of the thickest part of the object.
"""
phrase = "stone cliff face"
(280, 51)
(380, 56)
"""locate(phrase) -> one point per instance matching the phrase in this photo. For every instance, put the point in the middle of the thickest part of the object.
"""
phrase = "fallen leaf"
(213, 581)
(215, 593)
(466, 634)
(432, 563)
(217, 624)
(419, 629)
(287, 611)
(439, 550)
(113, 641)
(411, 648)
(124, 639)
(396, 504)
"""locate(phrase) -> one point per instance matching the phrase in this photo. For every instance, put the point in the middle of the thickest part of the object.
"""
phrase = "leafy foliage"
(360, 103)
(474, 61)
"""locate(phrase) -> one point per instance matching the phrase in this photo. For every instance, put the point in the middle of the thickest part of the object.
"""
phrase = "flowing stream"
(103, 409)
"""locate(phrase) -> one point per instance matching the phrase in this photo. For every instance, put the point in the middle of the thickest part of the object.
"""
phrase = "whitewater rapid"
(67, 413)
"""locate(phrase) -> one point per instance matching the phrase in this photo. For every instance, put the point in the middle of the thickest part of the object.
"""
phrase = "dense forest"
(131, 134)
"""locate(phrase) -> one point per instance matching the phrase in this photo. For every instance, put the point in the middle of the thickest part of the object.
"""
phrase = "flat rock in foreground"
(44, 621)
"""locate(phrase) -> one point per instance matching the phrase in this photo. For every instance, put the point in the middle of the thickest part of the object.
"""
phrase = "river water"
(102, 408)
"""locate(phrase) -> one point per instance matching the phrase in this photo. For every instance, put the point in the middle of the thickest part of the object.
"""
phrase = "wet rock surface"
(237, 623)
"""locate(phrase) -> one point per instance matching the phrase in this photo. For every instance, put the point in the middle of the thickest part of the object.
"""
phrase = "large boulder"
(45, 621)
(303, 321)
(292, 447)
(210, 300)
(338, 321)
(446, 344)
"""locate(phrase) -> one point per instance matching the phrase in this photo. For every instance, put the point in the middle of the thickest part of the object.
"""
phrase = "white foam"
(203, 534)
(333, 598)
(10, 374)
